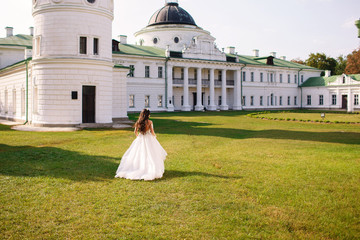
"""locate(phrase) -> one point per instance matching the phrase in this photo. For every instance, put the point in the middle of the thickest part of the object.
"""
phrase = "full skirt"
(144, 160)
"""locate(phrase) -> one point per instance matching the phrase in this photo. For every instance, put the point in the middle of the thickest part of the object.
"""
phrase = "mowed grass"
(333, 117)
(228, 176)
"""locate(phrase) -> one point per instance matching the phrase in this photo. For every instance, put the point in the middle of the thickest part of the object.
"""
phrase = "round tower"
(72, 70)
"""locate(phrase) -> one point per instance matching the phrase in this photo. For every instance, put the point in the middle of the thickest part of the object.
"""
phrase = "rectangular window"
(147, 71)
(261, 100)
(252, 100)
(271, 77)
(289, 100)
(96, 46)
(295, 100)
(333, 99)
(261, 77)
(182, 100)
(83, 45)
(308, 100)
(280, 78)
(195, 73)
(280, 100)
(302, 78)
(14, 101)
(321, 99)
(182, 74)
(244, 100)
(220, 101)
(36, 100)
(131, 101)
(244, 77)
(147, 101)
(289, 80)
(37, 46)
(252, 76)
(295, 78)
(23, 102)
(6, 102)
(160, 101)
(208, 100)
(356, 99)
(160, 72)
(220, 75)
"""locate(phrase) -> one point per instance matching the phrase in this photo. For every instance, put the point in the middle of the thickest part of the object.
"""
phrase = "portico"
(212, 81)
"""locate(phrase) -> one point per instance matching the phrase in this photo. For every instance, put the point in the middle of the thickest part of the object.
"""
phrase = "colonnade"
(199, 88)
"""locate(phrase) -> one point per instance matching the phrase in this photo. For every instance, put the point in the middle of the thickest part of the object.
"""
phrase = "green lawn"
(313, 116)
(228, 176)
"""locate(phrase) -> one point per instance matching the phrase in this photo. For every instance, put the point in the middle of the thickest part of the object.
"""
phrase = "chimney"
(273, 54)
(9, 31)
(230, 50)
(283, 57)
(31, 31)
(327, 73)
(123, 39)
(256, 52)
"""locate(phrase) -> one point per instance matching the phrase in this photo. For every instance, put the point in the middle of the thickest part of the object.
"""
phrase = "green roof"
(15, 64)
(137, 50)
(20, 40)
(120, 66)
(325, 81)
(129, 49)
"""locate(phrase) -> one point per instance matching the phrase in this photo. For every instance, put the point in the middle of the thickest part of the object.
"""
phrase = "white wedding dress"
(144, 160)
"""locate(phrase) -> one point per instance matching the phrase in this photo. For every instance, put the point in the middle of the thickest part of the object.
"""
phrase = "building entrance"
(344, 101)
(88, 104)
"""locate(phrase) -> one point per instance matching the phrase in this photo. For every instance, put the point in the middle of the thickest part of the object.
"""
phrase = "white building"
(65, 72)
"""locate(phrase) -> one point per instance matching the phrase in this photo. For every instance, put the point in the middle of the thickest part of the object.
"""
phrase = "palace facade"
(66, 72)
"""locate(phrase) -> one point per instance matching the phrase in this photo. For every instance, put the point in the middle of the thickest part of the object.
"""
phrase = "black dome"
(171, 13)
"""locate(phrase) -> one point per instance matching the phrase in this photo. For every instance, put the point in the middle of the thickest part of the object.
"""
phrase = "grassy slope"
(227, 177)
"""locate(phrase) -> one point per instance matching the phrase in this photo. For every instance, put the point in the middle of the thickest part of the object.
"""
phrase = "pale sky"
(292, 28)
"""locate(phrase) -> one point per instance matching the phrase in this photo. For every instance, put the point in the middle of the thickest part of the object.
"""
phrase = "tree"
(341, 65)
(321, 61)
(353, 63)
(298, 60)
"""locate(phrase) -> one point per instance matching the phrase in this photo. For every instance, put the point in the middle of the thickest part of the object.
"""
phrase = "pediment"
(203, 47)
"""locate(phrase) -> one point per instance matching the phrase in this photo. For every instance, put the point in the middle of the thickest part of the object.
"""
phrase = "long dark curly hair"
(143, 120)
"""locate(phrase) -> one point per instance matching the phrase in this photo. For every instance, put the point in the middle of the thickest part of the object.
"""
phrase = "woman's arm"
(152, 129)
(136, 131)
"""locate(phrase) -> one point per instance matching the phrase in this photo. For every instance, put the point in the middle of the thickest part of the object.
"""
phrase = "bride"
(145, 157)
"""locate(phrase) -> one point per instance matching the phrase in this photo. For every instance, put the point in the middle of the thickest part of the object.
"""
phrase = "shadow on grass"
(28, 161)
(166, 126)
(170, 174)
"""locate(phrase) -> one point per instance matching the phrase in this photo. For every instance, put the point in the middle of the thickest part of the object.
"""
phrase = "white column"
(170, 104)
(199, 106)
(223, 106)
(237, 91)
(186, 107)
(350, 104)
(212, 106)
